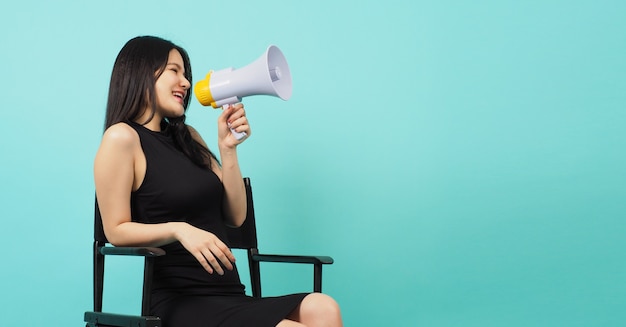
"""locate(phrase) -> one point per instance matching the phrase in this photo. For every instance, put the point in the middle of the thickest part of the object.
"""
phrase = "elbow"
(112, 239)
(114, 236)
(236, 223)
(239, 223)
(234, 215)
(236, 220)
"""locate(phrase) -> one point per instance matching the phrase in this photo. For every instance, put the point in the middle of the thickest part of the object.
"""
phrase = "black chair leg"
(147, 286)
(317, 278)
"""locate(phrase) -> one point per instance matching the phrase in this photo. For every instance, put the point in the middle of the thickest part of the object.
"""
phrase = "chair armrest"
(108, 319)
(134, 251)
(312, 259)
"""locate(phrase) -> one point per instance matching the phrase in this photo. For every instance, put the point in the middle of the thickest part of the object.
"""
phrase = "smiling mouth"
(179, 95)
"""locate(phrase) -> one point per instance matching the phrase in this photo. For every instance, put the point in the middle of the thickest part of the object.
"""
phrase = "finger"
(225, 114)
(245, 128)
(203, 262)
(224, 255)
(223, 248)
(238, 122)
(231, 108)
(236, 115)
(229, 254)
(213, 261)
(227, 111)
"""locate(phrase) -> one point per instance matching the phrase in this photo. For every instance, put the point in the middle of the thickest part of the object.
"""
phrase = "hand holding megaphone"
(268, 75)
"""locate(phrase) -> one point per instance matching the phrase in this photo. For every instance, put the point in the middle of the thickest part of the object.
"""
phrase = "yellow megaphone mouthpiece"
(202, 90)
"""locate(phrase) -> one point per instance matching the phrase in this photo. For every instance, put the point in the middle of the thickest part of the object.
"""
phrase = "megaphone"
(268, 75)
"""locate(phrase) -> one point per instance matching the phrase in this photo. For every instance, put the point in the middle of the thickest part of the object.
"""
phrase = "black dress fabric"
(183, 293)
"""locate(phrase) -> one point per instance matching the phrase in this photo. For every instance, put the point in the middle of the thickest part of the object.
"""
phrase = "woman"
(157, 184)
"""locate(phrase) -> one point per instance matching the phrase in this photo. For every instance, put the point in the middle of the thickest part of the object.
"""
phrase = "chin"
(175, 113)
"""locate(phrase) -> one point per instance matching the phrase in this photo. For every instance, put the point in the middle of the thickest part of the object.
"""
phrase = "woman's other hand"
(207, 248)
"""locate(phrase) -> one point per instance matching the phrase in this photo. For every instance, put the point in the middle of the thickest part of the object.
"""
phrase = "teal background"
(462, 161)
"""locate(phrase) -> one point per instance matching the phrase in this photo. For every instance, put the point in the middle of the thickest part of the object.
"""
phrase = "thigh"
(315, 307)
(289, 323)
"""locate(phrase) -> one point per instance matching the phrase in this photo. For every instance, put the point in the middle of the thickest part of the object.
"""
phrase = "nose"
(185, 83)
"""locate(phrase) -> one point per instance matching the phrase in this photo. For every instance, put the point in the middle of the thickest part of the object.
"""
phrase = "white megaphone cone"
(268, 75)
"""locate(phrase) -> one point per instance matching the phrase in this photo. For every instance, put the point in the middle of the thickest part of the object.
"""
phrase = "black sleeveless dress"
(183, 293)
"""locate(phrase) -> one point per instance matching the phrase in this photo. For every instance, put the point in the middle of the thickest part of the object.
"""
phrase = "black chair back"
(244, 237)
(98, 230)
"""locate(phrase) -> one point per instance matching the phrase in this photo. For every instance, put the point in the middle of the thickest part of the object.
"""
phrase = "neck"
(154, 124)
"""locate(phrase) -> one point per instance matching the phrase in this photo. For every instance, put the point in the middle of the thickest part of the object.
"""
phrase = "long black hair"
(137, 67)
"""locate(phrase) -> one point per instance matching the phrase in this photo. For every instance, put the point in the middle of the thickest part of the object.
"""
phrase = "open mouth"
(179, 95)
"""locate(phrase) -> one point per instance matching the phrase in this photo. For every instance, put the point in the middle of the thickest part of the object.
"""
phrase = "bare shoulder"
(121, 136)
(117, 152)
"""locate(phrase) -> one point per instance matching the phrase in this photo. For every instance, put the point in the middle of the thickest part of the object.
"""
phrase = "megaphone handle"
(239, 136)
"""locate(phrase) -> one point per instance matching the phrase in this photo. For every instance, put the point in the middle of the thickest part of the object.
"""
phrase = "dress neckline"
(162, 133)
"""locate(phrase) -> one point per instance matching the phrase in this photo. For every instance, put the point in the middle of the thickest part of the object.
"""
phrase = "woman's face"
(171, 87)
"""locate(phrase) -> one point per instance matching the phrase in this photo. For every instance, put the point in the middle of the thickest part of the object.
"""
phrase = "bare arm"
(234, 205)
(119, 169)
(114, 172)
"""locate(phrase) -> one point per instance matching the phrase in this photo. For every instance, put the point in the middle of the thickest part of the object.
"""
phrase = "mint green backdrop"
(462, 161)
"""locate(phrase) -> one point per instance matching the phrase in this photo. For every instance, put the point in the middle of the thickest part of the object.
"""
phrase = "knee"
(320, 306)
